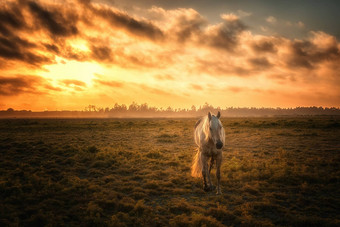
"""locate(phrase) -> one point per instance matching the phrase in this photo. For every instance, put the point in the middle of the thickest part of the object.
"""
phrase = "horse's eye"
(210, 128)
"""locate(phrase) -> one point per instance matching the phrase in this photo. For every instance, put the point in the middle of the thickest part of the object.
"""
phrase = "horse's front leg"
(218, 172)
(205, 172)
(212, 187)
(211, 163)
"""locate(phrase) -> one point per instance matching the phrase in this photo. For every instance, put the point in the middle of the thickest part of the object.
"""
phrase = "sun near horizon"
(69, 54)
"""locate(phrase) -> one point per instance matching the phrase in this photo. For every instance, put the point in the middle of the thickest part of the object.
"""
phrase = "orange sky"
(66, 56)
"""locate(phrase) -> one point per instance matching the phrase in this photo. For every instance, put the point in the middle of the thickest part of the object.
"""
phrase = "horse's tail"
(196, 167)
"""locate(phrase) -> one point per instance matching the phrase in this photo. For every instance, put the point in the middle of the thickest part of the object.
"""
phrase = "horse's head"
(216, 131)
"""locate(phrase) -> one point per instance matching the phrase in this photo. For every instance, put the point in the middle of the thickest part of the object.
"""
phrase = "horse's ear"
(209, 115)
(218, 114)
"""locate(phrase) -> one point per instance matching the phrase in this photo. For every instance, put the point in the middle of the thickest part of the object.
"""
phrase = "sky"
(68, 54)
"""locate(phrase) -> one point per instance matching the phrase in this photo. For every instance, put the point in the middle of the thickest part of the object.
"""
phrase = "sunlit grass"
(276, 171)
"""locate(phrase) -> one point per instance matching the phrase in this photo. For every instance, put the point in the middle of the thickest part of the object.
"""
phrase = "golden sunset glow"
(69, 54)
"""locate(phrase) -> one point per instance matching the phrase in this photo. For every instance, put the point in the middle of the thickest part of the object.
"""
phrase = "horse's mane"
(198, 122)
(205, 127)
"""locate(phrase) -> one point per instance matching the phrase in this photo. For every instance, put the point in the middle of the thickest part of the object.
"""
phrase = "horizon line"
(161, 109)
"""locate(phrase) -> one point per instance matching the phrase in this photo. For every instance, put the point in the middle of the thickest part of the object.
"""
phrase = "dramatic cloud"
(12, 86)
(121, 20)
(11, 18)
(74, 84)
(263, 46)
(54, 21)
(174, 56)
(102, 53)
(260, 63)
(15, 48)
(226, 34)
(309, 53)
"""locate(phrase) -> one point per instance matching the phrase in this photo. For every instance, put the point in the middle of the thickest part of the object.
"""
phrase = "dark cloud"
(101, 53)
(226, 35)
(52, 48)
(187, 26)
(11, 18)
(123, 21)
(11, 86)
(15, 48)
(14, 30)
(328, 54)
(14, 42)
(140, 61)
(218, 67)
(282, 78)
(260, 63)
(73, 54)
(264, 46)
(299, 57)
(305, 54)
(54, 21)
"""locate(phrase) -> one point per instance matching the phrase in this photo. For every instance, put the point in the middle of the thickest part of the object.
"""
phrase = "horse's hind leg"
(209, 181)
(205, 173)
(212, 187)
(211, 164)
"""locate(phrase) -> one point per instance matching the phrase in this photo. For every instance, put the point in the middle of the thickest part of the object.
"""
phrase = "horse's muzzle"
(219, 145)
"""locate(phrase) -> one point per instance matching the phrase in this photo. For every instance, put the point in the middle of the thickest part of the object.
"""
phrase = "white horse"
(210, 139)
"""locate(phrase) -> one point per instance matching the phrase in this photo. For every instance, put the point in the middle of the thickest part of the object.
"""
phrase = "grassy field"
(136, 172)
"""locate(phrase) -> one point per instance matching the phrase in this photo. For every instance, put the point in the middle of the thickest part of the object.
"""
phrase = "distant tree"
(123, 107)
(145, 110)
(193, 108)
(116, 107)
(144, 107)
(91, 108)
(207, 107)
(133, 107)
(10, 110)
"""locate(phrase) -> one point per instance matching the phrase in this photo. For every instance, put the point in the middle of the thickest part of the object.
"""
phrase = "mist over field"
(135, 110)
(281, 171)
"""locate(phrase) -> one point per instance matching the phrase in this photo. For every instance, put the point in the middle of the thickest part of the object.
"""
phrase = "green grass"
(136, 172)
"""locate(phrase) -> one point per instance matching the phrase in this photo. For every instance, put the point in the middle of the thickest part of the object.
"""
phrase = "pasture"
(281, 171)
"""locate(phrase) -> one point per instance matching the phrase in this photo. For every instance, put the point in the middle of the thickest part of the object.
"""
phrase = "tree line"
(144, 110)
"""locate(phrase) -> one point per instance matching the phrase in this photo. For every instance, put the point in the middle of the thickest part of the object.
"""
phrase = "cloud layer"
(163, 52)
